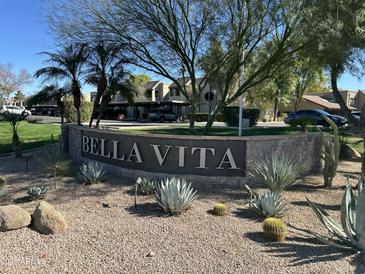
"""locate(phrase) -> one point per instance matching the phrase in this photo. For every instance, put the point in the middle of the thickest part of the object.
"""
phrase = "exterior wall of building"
(360, 101)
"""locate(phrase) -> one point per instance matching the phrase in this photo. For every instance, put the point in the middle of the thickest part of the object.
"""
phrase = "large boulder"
(13, 217)
(348, 153)
(47, 220)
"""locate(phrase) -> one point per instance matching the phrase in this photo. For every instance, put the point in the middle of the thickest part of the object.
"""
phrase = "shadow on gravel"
(301, 249)
(305, 188)
(324, 206)
(358, 263)
(304, 252)
(246, 213)
(146, 210)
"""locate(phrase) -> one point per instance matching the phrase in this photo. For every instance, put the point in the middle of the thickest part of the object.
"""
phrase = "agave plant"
(350, 234)
(37, 192)
(146, 186)
(91, 173)
(175, 195)
(278, 173)
(267, 204)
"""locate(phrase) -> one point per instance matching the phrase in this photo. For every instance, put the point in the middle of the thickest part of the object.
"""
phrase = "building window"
(174, 92)
(209, 96)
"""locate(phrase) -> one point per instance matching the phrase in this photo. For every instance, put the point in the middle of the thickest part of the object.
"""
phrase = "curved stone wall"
(208, 156)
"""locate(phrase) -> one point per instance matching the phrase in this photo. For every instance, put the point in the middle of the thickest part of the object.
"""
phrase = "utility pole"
(240, 116)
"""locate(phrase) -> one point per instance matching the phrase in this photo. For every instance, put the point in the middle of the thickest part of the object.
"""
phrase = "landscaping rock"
(348, 153)
(47, 220)
(13, 217)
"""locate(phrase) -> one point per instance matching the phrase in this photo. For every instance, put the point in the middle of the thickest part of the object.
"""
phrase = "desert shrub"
(274, 229)
(350, 233)
(146, 186)
(203, 117)
(330, 153)
(267, 204)
(221, 209)
(230, 116)
(55, 163)
(277, 172)
(70, 111)
(91, 173)
(175, 195)
(37, 192)
(303, 123)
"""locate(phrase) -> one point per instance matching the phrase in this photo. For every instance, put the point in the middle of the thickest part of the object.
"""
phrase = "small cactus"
(220, 209)
(275, 229)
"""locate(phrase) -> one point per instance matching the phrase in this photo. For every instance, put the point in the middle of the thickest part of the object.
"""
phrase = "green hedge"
(230, 115)
(203, 117)
(70, 111)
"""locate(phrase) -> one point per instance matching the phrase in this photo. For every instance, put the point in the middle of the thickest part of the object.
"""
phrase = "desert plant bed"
(109, 234)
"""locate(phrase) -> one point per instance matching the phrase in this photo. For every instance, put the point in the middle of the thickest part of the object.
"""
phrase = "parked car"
(356, 114)
(314, 117)
(162, 116)
(14, 109)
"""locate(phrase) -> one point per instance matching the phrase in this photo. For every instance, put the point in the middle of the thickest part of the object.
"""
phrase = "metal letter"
(160, 159)
(203, 153)
(135, 153)
(230, 160)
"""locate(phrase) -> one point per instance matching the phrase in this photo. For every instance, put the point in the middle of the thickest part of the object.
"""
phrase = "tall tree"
(67, 64)
(49, 93)
(118, 83)
(103, 56)
(336, 34)
(308, 78)
(170, 38)
(11, 82)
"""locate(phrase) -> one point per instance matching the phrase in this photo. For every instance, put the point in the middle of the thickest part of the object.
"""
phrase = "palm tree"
(67, 64)
(118, 83)
(49, 93)
(102, 58)
(14, 119)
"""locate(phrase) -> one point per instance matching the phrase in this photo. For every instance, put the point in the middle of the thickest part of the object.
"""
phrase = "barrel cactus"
(175, 195)
(37, 192)
(274, 229)
(350, 234)
(220, 209)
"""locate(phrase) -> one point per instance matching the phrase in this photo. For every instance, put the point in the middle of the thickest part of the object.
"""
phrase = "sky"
(24, 34)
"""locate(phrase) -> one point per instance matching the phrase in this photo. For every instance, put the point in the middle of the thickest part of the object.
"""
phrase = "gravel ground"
(124, 239)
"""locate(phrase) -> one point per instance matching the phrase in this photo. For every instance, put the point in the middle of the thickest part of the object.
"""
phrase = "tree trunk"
(17, 146)
(101, 89)
(78, 113)
(192, 118)
(76, 92)
(276, 103)
(62, 112)
(211, 118)
(338, 97)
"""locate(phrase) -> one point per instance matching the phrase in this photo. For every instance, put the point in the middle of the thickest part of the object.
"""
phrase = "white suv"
(15, 110)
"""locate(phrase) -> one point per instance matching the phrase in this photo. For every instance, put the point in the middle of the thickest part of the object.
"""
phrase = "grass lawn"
(355, 142)
(31, 134)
